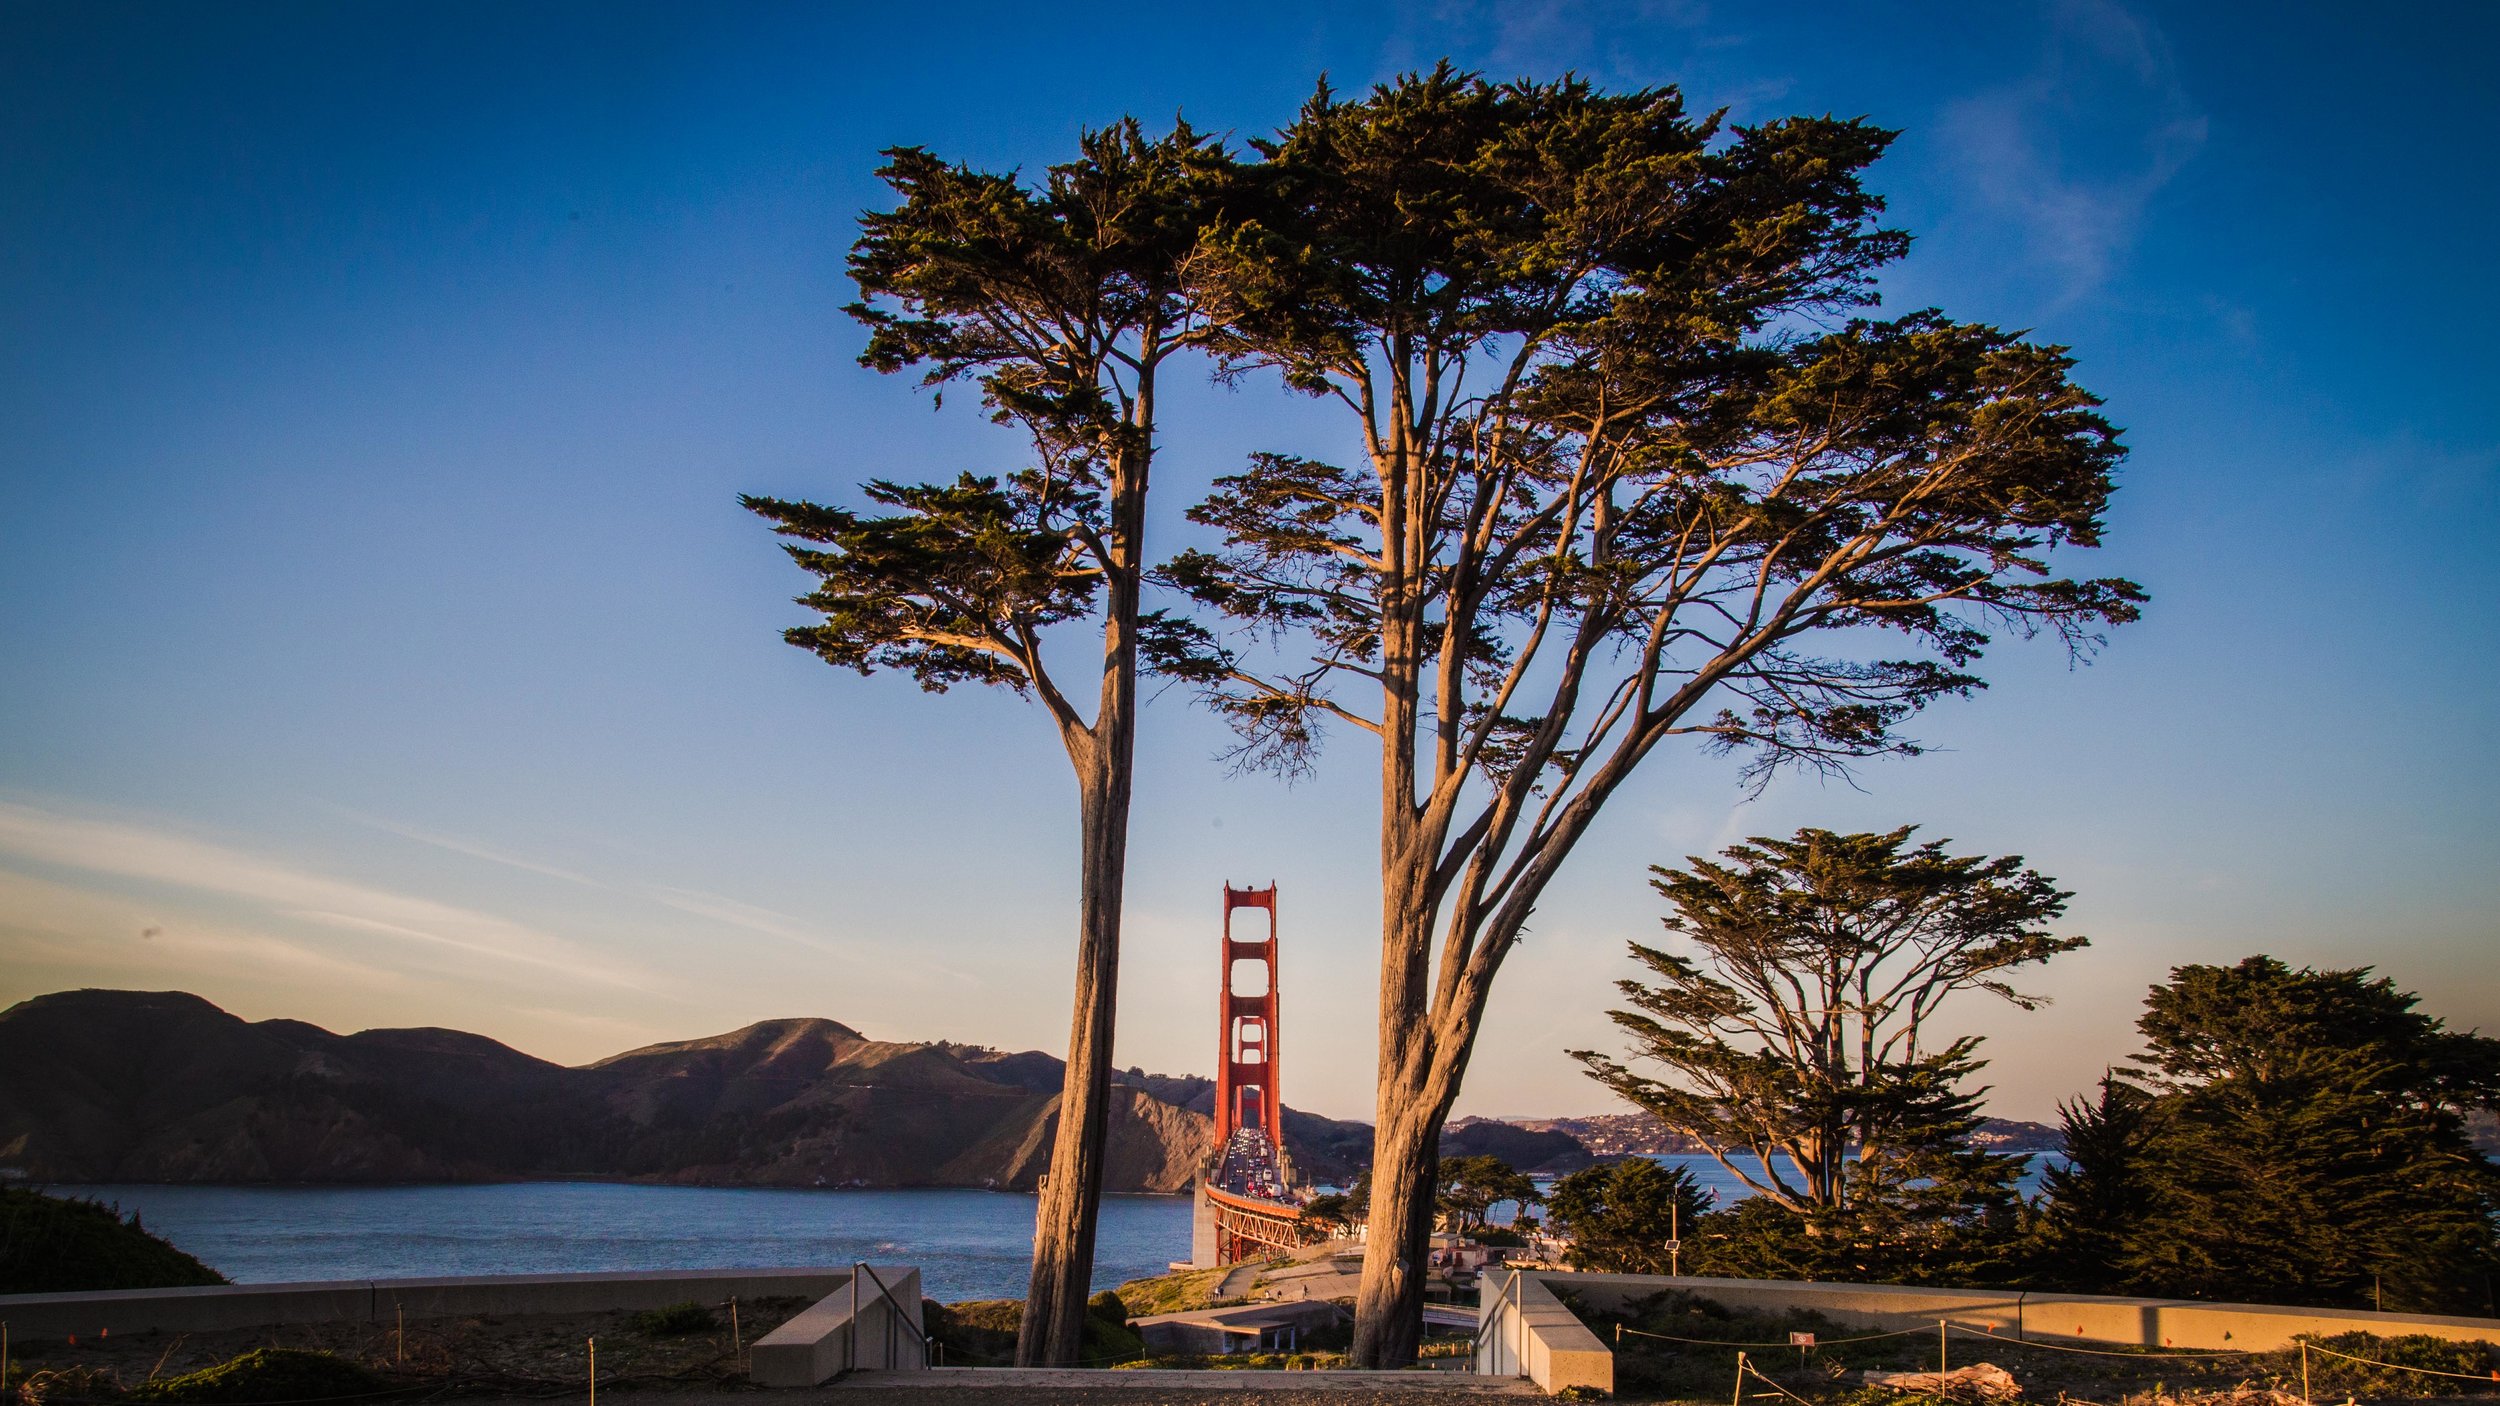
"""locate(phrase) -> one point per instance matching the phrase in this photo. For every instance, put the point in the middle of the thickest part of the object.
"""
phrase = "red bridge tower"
(1246, 1206)
(1245, 1080)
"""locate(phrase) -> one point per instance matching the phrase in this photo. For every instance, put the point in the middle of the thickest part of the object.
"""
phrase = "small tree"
(2307, 1143)
(1620, 1215)
(1470, 1187)
(1798, 1045)
(1616, 473)
(1331, 1213)
(1063, 302)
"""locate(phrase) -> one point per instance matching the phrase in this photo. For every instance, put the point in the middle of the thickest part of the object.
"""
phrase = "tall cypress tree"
(1063, 303)
(1613, 477)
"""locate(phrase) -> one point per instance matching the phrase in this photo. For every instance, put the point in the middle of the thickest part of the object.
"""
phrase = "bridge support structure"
(1246, 1206)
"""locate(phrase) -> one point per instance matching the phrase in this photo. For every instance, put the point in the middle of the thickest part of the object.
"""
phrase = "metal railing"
(894, 1316)
(1488, 1324)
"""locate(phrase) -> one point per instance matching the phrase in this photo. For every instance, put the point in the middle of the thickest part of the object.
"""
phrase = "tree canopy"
(2290, 1128)
(1620, 1216)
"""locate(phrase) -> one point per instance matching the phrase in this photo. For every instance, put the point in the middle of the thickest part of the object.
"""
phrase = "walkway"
(1011, 1386)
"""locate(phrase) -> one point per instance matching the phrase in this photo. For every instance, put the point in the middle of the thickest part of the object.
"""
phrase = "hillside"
(164, 1086)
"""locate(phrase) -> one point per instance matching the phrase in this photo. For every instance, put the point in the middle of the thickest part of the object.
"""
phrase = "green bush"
(675, 1321)
(58, 1245)
(2335, 1376)
(982, 1333)
(262, 1377)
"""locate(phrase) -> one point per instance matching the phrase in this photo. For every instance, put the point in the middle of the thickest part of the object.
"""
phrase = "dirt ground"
(535, 1356)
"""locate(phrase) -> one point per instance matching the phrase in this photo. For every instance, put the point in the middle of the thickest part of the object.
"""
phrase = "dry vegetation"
(539, 1355)
(1650, 1364)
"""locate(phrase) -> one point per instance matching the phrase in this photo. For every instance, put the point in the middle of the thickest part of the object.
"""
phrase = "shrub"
(262, 1376)
(675, 1321)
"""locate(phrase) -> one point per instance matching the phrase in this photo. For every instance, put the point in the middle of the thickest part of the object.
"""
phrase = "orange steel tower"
(1245, 1082)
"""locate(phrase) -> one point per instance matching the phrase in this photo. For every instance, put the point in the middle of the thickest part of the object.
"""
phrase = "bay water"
(968, 1244)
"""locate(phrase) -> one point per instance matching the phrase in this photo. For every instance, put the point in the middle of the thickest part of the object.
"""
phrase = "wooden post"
(594, 1372)
(2304, 1370)
(1675, 1237)
(1740, 1377)
(1941, 1369)
(399, 1336)
(737, 1344)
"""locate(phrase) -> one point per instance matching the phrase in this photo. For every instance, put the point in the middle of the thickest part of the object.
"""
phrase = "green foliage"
(2100, 1190)
(1108, 1307)
(1332, 1212)
(2329, 1373)
(675, 1320)
(1470, 1187)
(1620, 1215)
(1060, 302)
(982, 1333)
(2301, 1138)
(264, 1377)
(1792, 1047)
(53, 1245)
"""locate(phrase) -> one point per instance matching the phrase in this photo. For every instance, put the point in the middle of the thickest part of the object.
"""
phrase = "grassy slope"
(50, 1245)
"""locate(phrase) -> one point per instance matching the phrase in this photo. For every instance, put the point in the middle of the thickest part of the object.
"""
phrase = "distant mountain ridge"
(165, 1086)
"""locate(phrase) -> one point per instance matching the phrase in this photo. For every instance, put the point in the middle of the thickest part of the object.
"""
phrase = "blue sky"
(381, 642)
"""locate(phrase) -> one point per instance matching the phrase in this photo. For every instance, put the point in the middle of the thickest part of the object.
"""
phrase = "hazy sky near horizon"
(381, 642)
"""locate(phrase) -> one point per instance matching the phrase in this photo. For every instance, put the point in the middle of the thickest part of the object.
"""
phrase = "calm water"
(968, 1244)
(1715, 1178)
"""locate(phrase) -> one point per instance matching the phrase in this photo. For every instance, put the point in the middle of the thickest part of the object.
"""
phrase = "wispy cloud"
(713, 907)
(472, 848)
(47, 924)
(2073, 153)
(143, 854)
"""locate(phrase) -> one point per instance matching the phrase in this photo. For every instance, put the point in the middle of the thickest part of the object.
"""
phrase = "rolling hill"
(165, 1086)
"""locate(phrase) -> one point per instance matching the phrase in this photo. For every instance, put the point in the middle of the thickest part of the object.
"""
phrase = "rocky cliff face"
(164, 1086)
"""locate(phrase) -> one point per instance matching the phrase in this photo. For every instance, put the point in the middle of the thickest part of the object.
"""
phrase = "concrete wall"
(224, 1306)
(1201, 1226)
(2015, 1314)
(867, 1330)
(1523, 1330)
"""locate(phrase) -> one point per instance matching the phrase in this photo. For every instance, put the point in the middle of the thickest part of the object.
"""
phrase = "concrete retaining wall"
(867, 1330)
(2016, 1314)
(379, 1300)
(1523, 1330)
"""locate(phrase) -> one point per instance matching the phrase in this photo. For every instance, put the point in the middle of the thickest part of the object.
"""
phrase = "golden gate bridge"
(1248, 1205)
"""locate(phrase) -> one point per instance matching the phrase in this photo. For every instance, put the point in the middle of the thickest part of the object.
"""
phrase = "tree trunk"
(1052, 1331)
(1053, 1328)
(1389, 1307)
